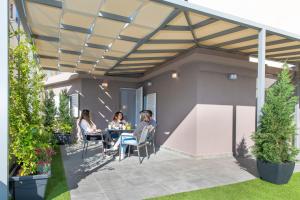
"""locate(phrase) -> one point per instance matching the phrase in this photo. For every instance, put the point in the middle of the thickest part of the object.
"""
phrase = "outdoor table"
(115, 133)
(119, 131)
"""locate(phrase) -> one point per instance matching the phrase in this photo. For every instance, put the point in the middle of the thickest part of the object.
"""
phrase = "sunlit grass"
(249, 190)
(57, 188)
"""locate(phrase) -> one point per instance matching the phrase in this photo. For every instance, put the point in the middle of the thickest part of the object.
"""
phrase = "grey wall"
(197, 113)
(102, 103)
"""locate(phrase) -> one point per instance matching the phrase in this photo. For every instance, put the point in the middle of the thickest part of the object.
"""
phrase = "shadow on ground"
(93, 161)
(244, 159)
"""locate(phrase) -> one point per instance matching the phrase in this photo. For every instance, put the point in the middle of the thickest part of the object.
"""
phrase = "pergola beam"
(235, 41)
(96, 46)
(70, 52)
(204, 23)
(282, 41)
(75, 28)
(67, 65)
(111, 58)
(52, 3)
(172, 15)
(222, 33)
(115, 17)
(45, 38)
(169, 41)
(139, 64)
(47, 57)
(148, 58)
(188, 20)
(261, 74)
(176, 28)
(128, 38)
(130, 69)
(87, 62)
(160, 51)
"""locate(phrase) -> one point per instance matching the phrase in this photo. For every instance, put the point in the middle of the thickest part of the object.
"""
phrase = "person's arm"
(139, 129)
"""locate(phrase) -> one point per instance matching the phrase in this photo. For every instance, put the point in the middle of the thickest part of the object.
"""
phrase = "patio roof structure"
(131, 37)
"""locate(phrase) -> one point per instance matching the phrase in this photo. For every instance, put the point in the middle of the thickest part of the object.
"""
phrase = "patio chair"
(151, 138)
(138, 144)
(87, 138)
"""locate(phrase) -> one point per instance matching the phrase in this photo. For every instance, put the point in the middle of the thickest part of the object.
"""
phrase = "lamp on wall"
(149, 83)
(174, 75)
(104, 84)
(232, 76)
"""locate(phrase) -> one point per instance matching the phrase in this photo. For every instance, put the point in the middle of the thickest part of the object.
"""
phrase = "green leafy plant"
(274, 138)
(65, 120)
(50, 110)
(25, 111)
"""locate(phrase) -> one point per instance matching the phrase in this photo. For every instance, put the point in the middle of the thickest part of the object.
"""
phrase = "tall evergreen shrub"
(65, 119)
(274, 138)
(50, 110)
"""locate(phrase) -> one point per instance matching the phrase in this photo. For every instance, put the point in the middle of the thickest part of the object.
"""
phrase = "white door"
(151, 104)
(139, 103)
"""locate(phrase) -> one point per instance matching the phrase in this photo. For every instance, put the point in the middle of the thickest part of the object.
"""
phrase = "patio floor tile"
(95, 177)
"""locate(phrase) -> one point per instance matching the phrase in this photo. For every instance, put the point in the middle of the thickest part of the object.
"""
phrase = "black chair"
(91, 137)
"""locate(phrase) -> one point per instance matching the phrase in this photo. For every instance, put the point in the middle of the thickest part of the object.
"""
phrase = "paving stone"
(164, 173)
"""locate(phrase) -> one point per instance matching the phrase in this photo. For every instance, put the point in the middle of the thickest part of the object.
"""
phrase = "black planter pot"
(29, 187)
(275, 173)
(62, 138)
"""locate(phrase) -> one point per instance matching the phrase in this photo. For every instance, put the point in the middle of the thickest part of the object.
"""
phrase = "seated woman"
(145, 119)
(86, 123)
(118, 120)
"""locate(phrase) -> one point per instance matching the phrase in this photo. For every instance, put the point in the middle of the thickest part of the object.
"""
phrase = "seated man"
(152, 121)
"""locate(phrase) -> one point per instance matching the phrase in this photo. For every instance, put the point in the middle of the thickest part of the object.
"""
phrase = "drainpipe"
(4, 101)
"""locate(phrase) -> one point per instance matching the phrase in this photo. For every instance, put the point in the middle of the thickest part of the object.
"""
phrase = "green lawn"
(249, 190)
(57, 188)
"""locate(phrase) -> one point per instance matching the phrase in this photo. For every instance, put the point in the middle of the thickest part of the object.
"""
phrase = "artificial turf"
(249, 190)
(57, 188)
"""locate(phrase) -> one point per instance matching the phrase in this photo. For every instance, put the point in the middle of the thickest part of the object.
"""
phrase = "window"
(74, 105)
(11, 11)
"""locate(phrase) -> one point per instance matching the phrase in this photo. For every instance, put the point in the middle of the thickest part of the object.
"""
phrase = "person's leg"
(124, 135)
(127, 139)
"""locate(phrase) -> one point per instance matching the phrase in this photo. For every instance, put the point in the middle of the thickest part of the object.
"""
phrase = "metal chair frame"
(86, 142)
(141, 143)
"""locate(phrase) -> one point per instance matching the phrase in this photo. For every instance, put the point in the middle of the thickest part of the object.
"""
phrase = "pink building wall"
(202, 113)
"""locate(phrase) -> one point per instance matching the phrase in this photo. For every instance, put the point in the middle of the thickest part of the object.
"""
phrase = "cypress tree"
(274, 138)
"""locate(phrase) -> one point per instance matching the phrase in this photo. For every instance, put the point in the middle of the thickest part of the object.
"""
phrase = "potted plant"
(26, 129)
(274, 139)
(64, 122)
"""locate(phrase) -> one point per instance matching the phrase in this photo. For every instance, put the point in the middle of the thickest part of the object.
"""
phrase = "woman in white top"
(86, 124)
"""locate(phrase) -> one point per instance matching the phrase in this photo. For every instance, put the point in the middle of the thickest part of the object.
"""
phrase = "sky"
(282, 14)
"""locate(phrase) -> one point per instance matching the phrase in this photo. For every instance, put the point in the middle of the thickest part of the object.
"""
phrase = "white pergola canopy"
(130, 37)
